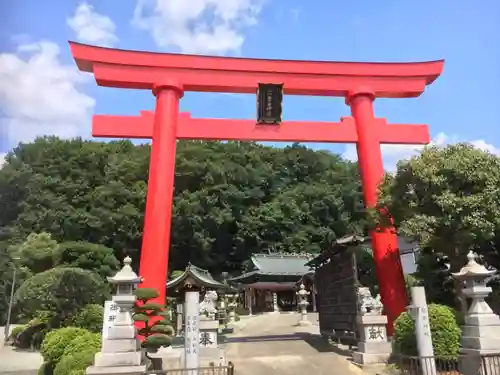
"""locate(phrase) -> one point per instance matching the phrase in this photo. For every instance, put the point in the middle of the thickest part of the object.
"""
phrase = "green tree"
(39, 252)
(448, 199)
(59, 292)
(227, 197)
(93, 257)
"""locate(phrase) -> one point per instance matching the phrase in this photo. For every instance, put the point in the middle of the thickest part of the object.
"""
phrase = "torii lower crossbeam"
(141, 127)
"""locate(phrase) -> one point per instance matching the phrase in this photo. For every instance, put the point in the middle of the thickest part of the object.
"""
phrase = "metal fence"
(210, 370)
(464, 364)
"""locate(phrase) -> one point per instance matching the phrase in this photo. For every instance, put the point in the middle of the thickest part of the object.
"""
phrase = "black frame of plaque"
(269, 103)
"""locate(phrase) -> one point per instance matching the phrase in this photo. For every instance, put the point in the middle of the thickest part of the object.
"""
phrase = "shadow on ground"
(317, 342)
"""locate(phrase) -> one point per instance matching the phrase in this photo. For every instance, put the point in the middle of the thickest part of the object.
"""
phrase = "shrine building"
(270, 284)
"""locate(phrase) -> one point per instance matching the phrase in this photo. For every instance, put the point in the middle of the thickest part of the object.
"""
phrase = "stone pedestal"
(170, 358)
(208, 333)
(373, 347)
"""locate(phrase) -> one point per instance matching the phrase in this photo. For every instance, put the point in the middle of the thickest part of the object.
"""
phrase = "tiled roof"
(281, 264)
(199, 274)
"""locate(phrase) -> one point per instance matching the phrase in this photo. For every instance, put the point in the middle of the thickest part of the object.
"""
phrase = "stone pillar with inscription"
(120, 352)
(420, 315)
(480, 342)
(374, 346)
(191, 328)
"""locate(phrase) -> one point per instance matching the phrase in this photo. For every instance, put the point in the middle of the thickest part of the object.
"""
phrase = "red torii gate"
(170, 75)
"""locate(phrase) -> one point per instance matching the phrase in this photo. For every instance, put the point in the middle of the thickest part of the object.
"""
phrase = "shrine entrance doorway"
(168, 76)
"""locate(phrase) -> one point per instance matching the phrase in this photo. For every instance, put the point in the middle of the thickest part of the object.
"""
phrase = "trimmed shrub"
(90, 317)
(44, 369)
(56, 341)
(17, 330)
(32, 335)
(73, 363)
(60, 292)
(85, 342)
(88, 256)
(156, 331)
(444, 330)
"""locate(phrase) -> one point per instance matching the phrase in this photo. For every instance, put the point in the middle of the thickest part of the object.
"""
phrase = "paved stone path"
(272, 344)
(19, 362)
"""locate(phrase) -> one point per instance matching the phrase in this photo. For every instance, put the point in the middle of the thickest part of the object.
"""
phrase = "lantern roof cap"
(126, 275)
(472, 268)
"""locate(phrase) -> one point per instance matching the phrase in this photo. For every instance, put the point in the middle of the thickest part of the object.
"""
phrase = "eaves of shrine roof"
(199, 275)
(405, 246)
(261, 273)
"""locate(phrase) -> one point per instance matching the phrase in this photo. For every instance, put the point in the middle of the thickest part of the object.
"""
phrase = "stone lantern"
(120, 352)
(126, 281)
(481, 331)
(302, 293)
(231, 307)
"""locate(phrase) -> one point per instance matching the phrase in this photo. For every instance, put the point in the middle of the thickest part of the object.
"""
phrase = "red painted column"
(384, 241)
(158, 217)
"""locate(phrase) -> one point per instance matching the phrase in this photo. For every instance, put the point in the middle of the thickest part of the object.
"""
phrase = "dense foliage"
(56, 342)
(231, 199)
(68, 351)
(60, 292)
(448, 200)
(75, 203)
(445, 333)
(90, 317)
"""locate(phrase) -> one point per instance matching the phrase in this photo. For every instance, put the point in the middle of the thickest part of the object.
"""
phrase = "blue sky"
(459, 106)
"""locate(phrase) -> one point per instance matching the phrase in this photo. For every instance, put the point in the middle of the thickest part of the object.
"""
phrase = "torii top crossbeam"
(140, 70)
(170, 75)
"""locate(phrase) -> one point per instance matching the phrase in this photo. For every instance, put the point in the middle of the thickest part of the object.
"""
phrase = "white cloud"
(197, 26)
(481, 144)
(391, 154)
(92, 27)
(2, 159)
(40, 95)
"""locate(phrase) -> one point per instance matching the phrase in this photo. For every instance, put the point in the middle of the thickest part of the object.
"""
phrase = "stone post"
(222, 311)
(374, 346)
(302, 293)
(231, 306)
(313, 295)
(276, 308)
(179, 318)
(419, 313)
(481, 331)
(120, 352)
(191, 330)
